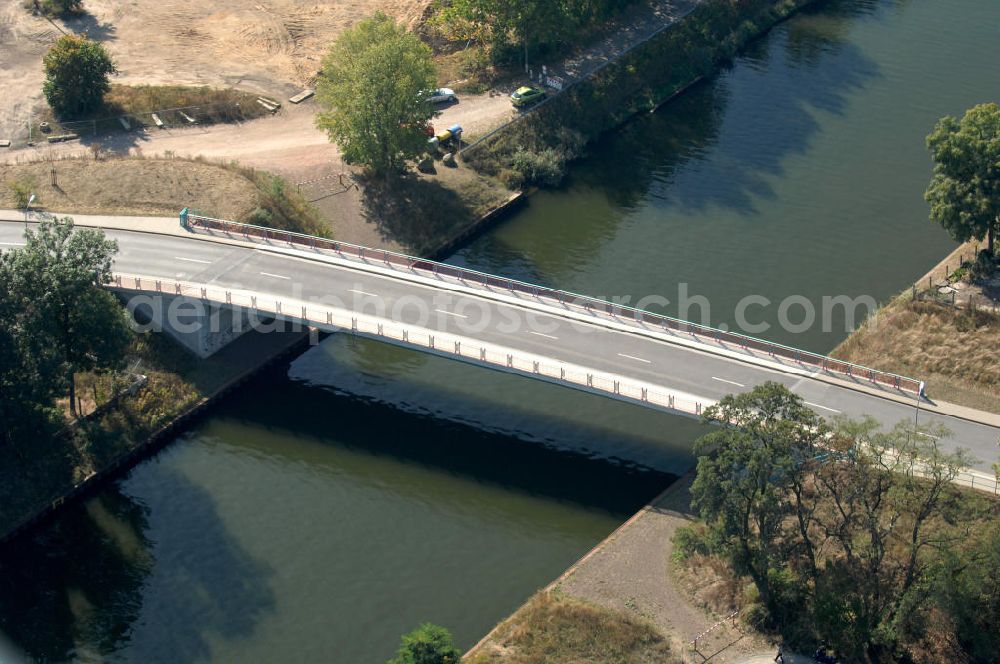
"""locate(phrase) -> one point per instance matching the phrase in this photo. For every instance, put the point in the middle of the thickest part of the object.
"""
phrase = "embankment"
(536, 149)
(52, 471)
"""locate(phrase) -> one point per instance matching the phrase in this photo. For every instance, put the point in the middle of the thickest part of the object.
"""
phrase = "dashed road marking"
(276, 276)
(450, 313)
(810, 403)
(731, 382)
(633, 357)
(192, 260)
(539, 334)
(361, 292)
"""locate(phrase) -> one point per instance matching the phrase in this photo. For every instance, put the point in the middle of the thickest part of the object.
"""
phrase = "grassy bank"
(536, 150)
(559, 629)
(32, 477)
(161, 186)
(955, 349)
(175, 105)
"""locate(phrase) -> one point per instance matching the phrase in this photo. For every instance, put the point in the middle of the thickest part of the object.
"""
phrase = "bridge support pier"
(201, 327)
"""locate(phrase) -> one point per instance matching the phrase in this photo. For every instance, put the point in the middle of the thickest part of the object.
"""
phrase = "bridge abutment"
(201, 327)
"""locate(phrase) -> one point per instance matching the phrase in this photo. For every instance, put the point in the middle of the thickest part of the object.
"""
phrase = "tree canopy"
(427, 644)
(845, 529)
(57, 320)
(76, 75)
(964, 192)
(374, 87)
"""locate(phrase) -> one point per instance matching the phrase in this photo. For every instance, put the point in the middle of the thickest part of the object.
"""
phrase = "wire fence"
(565, 301)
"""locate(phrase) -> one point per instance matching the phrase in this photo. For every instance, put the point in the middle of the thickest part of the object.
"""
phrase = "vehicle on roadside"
(441, 95)
(526, 95)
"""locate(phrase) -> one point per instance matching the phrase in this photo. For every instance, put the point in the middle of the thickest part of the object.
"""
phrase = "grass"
(133, 185)
(137, 103)
(956, 350)
(554, 629)
(51, 464)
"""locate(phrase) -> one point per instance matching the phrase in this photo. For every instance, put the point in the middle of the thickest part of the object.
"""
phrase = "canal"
(349, 494)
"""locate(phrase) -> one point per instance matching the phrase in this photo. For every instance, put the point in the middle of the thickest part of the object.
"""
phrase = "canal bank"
(140, 432)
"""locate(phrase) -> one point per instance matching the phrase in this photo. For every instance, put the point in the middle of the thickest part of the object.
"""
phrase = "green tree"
(76, 75)
(964, 193)
(58, 274)
(29, 371)
(58, 7)
(747, 472)
(373, 87)
(428, 644)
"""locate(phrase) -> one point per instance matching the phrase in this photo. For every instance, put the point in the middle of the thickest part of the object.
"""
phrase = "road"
(705, 374)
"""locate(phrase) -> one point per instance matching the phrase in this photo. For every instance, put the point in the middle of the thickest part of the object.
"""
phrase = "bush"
(545, 168)
(427, 644)
(510, 178)
(689, 540)
(21, 189)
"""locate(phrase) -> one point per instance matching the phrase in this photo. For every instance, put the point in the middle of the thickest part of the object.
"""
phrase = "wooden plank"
(302, 96)
(157, 121)
(187, 117)
(266, 105)
(272, 102)
(62, 137)
(125, 123)
(4, 144)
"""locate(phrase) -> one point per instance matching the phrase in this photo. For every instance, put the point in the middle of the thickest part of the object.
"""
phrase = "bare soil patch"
(133, 186)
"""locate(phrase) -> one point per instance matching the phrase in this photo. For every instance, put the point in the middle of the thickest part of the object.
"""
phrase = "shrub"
(545, 168)
(21, 190)
(427, 644)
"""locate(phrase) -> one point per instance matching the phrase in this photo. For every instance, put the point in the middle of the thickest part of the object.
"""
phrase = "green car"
(526, 95)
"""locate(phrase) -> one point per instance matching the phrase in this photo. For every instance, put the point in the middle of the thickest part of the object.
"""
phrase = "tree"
(374, 89)
(58, 274)
(76, 75)
(29, 371)
(747, 471)
(58, 7)
(428, 644)
(964, 193)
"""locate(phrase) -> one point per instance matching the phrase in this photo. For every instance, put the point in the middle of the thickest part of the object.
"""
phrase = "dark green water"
(344, 498)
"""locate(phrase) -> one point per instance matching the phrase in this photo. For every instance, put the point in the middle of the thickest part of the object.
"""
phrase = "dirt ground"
(267, 46)
(132, 187)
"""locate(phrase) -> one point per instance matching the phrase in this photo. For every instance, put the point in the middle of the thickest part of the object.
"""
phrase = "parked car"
(442, 95)
(526, 95)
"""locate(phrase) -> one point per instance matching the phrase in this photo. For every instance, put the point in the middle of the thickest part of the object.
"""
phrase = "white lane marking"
(450, 313)
(192, 260)
(810, 403)
(276, 276)
(547, 336)
(361, 292)
(731, 382)
(921, 433)
(13, 244)
(633, 357)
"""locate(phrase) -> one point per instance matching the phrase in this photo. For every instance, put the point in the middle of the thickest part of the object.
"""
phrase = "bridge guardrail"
(621, 313)
(442, 343)
(457, 346)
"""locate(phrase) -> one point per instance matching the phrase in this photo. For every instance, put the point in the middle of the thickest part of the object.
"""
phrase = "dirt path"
(629, 572)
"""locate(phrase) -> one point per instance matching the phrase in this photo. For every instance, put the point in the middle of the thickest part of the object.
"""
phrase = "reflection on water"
(800, 170)
(304, 518)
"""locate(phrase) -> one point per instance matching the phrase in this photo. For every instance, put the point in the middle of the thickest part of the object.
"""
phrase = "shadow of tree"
(103, 579)
(413, 211)
(84, 22)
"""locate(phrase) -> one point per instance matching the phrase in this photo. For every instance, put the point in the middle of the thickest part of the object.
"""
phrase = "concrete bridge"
(208, 279)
